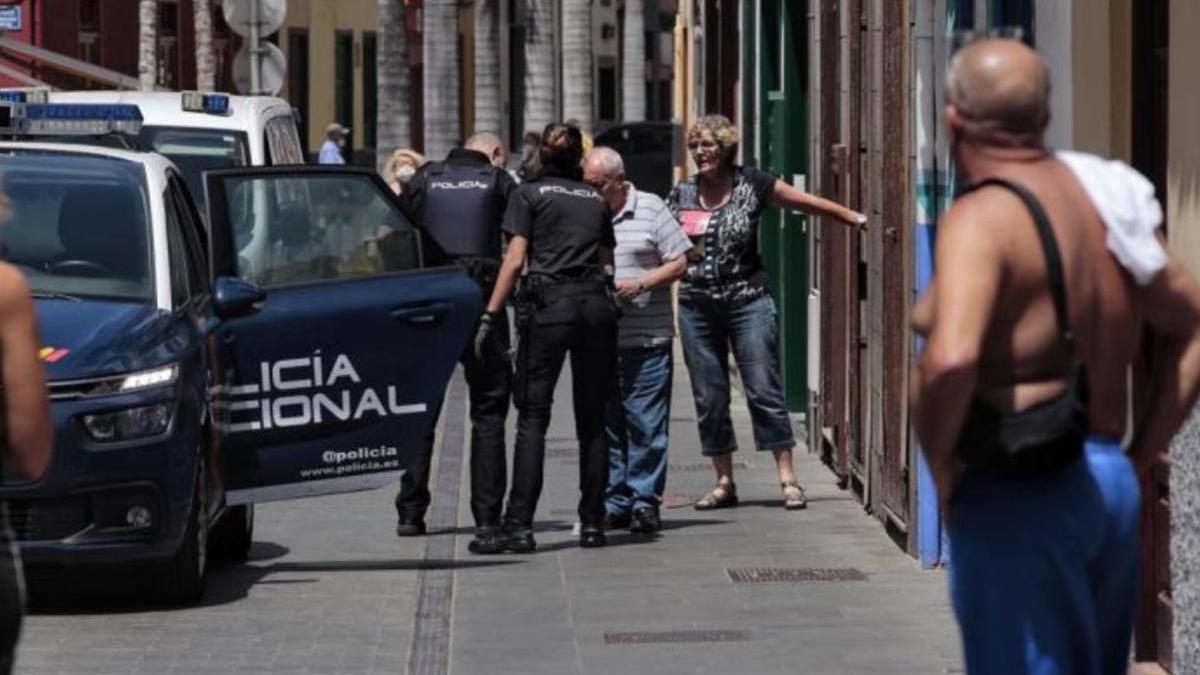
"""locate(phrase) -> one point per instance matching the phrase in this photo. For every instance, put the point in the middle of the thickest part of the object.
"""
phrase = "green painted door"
(782, 149)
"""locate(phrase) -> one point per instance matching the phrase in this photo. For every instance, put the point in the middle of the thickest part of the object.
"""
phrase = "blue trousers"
(708, 328)
(637, 430)
(1043, 572)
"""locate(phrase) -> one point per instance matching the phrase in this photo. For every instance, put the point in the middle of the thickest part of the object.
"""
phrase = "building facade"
(105, 33)
(861, 81)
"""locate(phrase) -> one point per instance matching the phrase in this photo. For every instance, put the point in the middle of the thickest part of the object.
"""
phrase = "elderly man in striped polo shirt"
(650, 255)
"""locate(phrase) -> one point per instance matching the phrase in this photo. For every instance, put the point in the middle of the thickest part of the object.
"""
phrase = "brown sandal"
(794, 498)
(723, 496)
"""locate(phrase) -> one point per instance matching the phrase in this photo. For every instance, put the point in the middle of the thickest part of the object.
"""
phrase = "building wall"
(1183, 214)
(322, 20)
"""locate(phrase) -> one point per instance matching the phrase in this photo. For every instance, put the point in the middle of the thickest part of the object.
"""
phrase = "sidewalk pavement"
(330, 589)
(669, 605)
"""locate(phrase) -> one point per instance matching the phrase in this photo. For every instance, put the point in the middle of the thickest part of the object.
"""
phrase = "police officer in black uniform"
(460, 203)
(562, 235)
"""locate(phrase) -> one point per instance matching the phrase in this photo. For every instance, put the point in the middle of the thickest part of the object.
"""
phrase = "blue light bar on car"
(25, 95)
(69, 119)
(212, 104)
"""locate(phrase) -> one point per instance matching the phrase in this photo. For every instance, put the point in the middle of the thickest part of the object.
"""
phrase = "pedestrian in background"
(460, 203)
(28, 438)
(1020, 398)
(401, 167)
(724, 302)
(335, 140)
(562, 235)
(650, 255)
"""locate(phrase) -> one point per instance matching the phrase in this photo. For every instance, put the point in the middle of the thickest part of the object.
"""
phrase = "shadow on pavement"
(113, 589)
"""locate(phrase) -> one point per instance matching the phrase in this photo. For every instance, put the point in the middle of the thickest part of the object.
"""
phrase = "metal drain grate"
(675, 637)
(767, 575)
(562, 451)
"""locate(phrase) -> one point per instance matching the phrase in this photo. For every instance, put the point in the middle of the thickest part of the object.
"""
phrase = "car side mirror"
(233, 297)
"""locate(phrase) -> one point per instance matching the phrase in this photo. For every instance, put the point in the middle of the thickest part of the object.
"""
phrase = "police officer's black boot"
(409, 526)
(592, 536)
(489, 540)
(519, 538)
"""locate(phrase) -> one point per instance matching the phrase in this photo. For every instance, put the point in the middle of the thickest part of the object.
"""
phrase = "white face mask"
(405, 172)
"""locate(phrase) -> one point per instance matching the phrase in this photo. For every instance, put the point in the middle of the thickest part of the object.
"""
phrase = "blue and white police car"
(202, 131)
(295, 346)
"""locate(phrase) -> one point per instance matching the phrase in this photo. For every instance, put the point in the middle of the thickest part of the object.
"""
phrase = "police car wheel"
(234, 533)
(180, 578)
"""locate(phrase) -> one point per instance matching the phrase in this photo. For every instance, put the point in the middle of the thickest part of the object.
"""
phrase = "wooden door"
(854, 27)
(894, 232)
(834, 270)
(1151, 29)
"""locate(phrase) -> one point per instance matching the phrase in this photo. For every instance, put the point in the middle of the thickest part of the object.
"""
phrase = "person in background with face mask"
(335, 140)
(401, 168)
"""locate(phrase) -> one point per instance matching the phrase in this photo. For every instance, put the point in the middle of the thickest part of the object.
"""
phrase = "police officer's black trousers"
(489, 383)
(583, 323)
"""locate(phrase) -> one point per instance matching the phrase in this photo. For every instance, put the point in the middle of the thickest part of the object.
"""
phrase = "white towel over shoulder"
(1125, 201)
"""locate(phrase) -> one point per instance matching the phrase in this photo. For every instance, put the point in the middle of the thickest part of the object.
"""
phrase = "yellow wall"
(322, 19)
(1101, 61)
(1183, 160)
(1090, 76)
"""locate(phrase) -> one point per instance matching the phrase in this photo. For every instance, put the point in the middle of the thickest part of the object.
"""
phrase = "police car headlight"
(145, 379)
(129, 424)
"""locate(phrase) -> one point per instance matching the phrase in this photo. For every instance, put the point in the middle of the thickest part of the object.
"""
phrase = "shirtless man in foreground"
(28, 434)
(1020, 395)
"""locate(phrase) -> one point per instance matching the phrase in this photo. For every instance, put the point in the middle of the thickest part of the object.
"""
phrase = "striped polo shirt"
(647, 236)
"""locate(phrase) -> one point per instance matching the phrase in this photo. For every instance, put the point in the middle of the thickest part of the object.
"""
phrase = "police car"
(294, 347)
(201, 131)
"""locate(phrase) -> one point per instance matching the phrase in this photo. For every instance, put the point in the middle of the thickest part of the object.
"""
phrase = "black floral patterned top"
(725, 264)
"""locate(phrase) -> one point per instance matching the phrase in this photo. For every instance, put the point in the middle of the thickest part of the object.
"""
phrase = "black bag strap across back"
(1054, 266)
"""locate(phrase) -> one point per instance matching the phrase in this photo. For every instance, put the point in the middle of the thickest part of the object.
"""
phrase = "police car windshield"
(195, 151)
(76, 225)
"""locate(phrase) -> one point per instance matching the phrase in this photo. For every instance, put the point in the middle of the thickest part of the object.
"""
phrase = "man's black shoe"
(520, 540)
(616, 522)
(488, 541)
(645, 520)
(414, 527)
(592, 537)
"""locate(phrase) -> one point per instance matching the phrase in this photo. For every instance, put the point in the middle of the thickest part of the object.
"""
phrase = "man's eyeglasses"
(696, 145)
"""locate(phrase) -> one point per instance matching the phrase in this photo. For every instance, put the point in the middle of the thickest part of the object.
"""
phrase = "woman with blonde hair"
(725, 302)
(401, 167)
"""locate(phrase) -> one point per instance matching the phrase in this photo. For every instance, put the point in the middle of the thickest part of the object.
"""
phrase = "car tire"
(180, 579)
(234, 533)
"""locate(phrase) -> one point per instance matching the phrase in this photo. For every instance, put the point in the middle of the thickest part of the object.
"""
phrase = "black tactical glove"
(485, 335)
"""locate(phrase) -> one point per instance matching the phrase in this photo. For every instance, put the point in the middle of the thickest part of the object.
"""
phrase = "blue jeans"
(708, 328)
(1043, 572)
(637, 430)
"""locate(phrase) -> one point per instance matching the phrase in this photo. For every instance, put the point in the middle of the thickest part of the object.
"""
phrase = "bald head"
(1000, 92)
(490, 145)
(606, 161)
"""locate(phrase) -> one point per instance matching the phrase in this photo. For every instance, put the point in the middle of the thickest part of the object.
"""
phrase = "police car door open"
(335, 345)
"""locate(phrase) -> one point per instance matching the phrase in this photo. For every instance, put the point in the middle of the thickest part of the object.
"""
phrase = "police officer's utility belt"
(541, 290)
